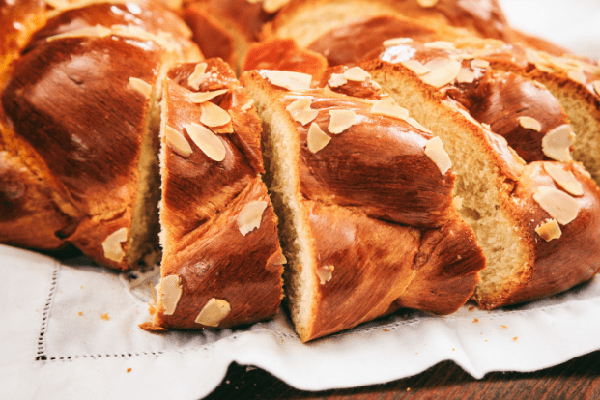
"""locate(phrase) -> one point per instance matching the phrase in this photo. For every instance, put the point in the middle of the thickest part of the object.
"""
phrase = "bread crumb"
(408, 389)
(80, 313)
(128, 370)
(104, 317)
(503, 327)
(471, 308)
(475, 320)
(515, 338)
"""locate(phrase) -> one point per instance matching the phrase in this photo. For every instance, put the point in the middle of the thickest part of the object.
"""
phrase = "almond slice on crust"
(557, 203)
(206, 141)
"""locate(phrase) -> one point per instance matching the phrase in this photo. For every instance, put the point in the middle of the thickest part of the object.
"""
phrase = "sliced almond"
(97, 31)
(557, 203)
(177, 141)
(272, 6)
(213, 312)
(596, 85)
(201, 97)
(479, 63)
(170, 292)
(413, 122)
(251, 216)
(440, 45)
(415, 67)
(427, 3)
(539, 85)
(340, 120)
(140, 86)
(112, 245)
(556, 143)
(248, 105)
(397, 41)
(486, 126)
(301, 112)
(548, 230)
(516, 156)
(317, 139)
(198, 76)
(325, 273)
(434, 149)
(564, 179)
(530, 123)
(290, 80)
(443, 72)
(213, 115)
(206, 141)
(465, 76)
(337, 80)
(389, 108)
(356, 74)
(577, 76)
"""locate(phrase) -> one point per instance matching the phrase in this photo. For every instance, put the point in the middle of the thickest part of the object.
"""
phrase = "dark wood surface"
(578, 378)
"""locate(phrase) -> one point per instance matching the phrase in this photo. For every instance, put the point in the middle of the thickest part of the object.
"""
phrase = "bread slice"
(367, 220)
(501, 194)
(221, 262)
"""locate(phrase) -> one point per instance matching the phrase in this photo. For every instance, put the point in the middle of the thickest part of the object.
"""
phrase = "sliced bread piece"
(364, 211)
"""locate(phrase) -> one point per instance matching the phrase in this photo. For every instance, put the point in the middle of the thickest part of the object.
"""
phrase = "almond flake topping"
(486, 126)
(340, 120)
(577, 76)
(530, 123)
(290, 80)
(112, 245)
(557, 203)
(248, 105)
(336, 80)
(416, 125)
(443, 72)
(325, 274)
(434, 149)
(213, 115)
(213, 312)
(97, 31)
(170, 292)
(356, 74)
(478, 63)
(596, 85)
(206, 141)
(198, 76)
(427, 3)
(389, 108)
(397, 41)
(251, 216)
(440, 45)
(415, 67)
(564, 179)
(301, 112)
(140, 86)
(549, 230)
(556, 143)
(465, 76)
(177, 141)
(316, 139)
(201, 97)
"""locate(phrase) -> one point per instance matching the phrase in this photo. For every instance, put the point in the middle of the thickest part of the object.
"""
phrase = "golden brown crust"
(284, 55)
(367, 89)
(446, 270)
(348, 172)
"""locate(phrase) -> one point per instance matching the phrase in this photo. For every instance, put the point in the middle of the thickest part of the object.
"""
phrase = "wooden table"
(578, 378)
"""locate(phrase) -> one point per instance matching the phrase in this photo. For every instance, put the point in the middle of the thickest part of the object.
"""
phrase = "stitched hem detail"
(41, 345)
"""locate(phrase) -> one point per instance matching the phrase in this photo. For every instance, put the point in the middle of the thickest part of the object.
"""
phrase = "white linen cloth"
(69, 331)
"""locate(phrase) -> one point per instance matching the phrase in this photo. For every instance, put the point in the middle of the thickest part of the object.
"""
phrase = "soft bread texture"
(96, 189)
(339, 212)
(495, 185)
(202, 200)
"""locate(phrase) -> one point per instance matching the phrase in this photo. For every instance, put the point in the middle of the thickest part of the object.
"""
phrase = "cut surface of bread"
(362, 210)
